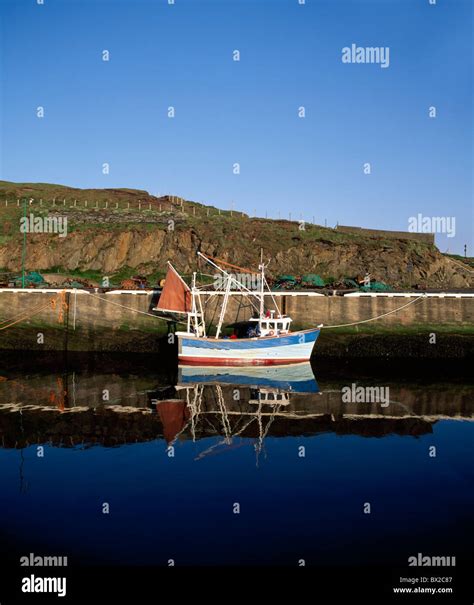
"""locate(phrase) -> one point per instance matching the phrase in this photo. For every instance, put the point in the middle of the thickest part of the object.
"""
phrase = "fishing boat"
(265, 339)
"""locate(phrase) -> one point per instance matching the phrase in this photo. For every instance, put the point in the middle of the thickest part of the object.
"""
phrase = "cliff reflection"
(232, 404)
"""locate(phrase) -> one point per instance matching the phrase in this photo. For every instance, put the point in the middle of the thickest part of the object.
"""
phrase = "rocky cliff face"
(398, 263)
(124, 231)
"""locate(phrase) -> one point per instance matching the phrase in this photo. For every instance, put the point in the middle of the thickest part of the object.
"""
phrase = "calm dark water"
(236, 440)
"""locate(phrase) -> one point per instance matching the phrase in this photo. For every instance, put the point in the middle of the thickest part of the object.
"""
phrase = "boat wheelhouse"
(271, 325)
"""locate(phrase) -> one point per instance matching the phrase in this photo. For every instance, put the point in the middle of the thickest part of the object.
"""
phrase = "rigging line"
(229, 276)
(136, 310)
(223, 411)
(223, 262)
(24, 317)
(24, 313)
(271, 295)
(240, 431)
(275, 411)
(355, 323)
(195, 407)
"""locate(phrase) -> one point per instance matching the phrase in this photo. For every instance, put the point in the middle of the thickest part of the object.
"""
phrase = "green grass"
(225, 225)
(87, 274)
(229, 231)
(467, 260)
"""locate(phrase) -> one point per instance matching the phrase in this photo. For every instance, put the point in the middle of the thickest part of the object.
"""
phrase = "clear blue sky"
(246, 112)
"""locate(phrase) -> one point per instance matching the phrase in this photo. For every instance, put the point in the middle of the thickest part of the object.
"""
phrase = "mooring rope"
(20, 314)
(24, 315)
(135, 310)
(29, 314)
(363, 321)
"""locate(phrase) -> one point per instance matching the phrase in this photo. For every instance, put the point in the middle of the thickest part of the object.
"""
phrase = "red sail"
(174, 413)
(176, 295)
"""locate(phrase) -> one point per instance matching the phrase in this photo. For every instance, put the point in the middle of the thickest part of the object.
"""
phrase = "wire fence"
(162, 205)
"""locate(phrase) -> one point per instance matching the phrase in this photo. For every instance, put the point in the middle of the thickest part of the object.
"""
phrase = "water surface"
(172, 455)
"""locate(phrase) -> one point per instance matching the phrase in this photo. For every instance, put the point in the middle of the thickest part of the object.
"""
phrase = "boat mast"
(262, 283)
(195, 317)
(232, 280)
(224, 306)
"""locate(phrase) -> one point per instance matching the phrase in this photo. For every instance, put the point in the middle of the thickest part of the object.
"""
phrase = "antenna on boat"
(262, 284)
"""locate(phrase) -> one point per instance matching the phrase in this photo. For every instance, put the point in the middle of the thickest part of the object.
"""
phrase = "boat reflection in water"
(235, 397)
(248, 403)
(296, 378)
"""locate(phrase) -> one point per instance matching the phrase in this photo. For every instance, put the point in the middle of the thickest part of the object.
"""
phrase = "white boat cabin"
(269, 397)
(272, 326)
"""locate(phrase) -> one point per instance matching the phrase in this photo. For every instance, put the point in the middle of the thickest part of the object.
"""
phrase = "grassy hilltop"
(118, 232)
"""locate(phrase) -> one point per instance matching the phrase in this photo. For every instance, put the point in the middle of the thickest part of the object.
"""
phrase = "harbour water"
(123, 461)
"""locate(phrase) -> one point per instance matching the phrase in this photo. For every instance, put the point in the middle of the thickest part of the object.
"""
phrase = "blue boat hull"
(294, 347)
